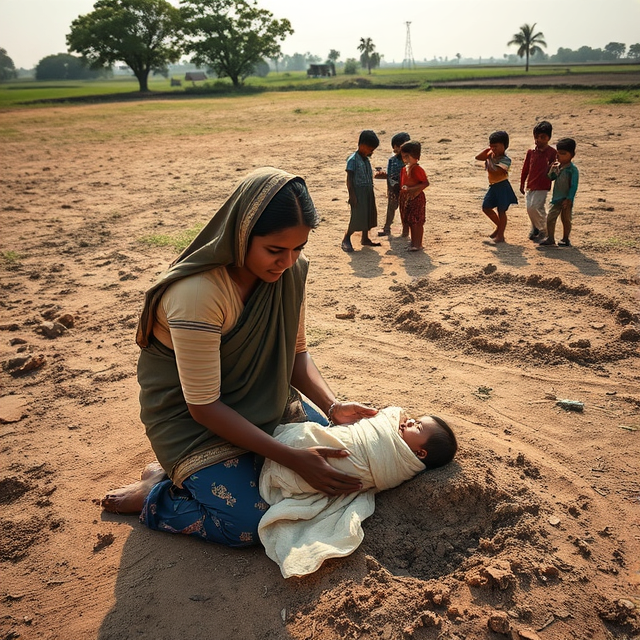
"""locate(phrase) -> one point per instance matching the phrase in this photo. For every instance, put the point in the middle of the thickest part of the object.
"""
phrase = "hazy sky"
(32, 29)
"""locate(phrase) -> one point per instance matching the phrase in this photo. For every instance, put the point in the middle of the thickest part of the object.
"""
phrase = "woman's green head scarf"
(224, 241)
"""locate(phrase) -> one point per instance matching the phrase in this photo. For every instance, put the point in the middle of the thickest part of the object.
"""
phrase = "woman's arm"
(307, 379)
(310, 463)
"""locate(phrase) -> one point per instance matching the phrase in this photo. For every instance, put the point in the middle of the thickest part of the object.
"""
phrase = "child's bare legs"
(493, 216)
(565, 217)
(405, 227)
(392, 206)
(417, 232)
(367, 241)
(502, 225)
(552, 217)
(346, 242)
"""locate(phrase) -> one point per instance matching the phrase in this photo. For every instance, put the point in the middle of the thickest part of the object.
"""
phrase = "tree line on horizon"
(230, 38)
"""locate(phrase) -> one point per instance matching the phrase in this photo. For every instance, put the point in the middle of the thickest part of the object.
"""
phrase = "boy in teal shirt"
(564, 175)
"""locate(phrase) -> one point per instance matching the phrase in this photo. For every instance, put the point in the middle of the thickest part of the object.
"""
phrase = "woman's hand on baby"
(312, 465)
(350, 412)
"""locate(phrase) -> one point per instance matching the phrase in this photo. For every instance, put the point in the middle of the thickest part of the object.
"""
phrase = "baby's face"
(416, 432)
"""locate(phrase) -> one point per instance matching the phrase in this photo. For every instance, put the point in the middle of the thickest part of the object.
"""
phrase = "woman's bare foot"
(130, 499)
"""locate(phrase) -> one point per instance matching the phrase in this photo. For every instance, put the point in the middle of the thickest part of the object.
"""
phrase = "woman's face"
(270, 256)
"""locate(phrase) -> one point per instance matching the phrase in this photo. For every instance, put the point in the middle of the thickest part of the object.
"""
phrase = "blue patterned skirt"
(220, 503)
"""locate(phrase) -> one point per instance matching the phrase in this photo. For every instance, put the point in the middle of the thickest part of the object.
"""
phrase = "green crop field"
(20, 93)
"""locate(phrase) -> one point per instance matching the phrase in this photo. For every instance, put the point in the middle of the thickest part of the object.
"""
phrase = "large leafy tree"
(528, 42)
(232, 36)
(145, 34)
(615, 49)
(7, 68)
(64, 66)
(368, 57)
(634, 51)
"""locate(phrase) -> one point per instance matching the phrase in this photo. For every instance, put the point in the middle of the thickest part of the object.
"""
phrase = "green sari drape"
(257, 355)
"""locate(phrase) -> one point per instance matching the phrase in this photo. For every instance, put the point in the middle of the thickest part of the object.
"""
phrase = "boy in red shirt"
(534, 176)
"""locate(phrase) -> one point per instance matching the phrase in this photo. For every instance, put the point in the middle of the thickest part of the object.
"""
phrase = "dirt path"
(533, 531)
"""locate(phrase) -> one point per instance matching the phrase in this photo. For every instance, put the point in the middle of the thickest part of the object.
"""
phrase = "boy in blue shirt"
(564, 175)
(392, 174)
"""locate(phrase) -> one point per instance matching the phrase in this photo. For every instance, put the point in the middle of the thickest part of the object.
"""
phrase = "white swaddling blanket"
(303, 527)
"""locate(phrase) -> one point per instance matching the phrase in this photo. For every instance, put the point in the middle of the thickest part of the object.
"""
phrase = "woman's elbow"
(202, 412)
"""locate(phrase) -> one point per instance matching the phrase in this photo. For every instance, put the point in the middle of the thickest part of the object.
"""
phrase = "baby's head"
(398, 140)
(430, 438)
(499, 142)
(368, 142)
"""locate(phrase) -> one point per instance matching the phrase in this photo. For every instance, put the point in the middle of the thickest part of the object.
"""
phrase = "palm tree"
(528, 42)
(366, 47)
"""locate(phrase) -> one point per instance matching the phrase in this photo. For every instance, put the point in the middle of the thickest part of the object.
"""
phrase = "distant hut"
(195, 76)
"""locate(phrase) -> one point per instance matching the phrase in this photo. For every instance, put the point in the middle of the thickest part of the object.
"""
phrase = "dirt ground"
(532, 532)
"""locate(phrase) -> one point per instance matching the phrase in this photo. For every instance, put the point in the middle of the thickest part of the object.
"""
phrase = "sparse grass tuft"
(621, 242)
(177, 242)
(622, 97)
(10, 257)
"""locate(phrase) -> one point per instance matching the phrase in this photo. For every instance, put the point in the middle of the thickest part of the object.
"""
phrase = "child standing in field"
(565, 176)
(500, 194)
(364, 215)
(413, 182)
(394, 166)
(534, 177)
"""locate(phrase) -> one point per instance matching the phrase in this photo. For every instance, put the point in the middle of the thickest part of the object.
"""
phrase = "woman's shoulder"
(206, 285)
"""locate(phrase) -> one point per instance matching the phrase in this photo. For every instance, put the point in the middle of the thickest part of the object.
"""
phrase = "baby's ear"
(421, 453)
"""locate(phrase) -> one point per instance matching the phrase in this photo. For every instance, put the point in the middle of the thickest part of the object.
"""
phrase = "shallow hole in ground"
(430, 526)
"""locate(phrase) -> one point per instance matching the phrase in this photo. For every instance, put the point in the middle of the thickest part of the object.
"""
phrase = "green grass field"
(21, 93)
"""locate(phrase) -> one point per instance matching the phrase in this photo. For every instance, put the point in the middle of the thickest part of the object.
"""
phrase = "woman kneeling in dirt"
(223, 362)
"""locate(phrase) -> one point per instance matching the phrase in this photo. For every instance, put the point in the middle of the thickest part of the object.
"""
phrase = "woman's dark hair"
(441, 445)
(500, 136)
(412, 148)
(543, 127)
(400, 138)
(290, 207)
(567, 144)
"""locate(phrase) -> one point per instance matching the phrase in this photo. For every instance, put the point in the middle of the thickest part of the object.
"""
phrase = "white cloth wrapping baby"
(303, 527)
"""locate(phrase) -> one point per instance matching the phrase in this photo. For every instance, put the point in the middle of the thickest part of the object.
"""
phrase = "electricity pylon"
(408, 52)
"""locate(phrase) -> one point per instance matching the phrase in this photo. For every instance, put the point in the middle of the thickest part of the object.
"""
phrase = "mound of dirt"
(530, 318)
